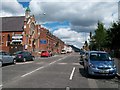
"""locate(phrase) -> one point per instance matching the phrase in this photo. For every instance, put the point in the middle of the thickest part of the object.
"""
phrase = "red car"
(45, 54)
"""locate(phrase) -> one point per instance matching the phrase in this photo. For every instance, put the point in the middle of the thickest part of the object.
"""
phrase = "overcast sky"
(70, 20)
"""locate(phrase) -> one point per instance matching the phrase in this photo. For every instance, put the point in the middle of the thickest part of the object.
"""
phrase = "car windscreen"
(63, 50)
(44, 51)
(19, 52)
(100, 56)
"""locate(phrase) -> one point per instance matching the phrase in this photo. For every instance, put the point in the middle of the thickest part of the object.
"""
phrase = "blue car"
(99, 63)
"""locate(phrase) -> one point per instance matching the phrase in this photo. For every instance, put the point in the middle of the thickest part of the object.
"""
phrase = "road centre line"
(71, 76)
(62, 63)
(1, 85)
(43, 67)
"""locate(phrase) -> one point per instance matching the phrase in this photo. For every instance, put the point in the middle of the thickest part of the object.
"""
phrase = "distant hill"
(75, 48)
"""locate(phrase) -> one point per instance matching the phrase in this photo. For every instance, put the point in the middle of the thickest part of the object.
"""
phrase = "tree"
(86, 45)
(100, 35)
(92, 44)
(114, 36)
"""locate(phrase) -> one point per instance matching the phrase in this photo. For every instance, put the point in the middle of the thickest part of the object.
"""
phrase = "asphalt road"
(61, 71)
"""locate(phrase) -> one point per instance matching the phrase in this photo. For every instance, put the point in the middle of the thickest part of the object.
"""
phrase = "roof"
(14, 23)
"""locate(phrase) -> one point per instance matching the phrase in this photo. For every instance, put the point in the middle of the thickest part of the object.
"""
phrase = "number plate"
(103, 71)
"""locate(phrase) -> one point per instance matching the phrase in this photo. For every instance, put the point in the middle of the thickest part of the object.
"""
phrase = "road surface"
(60, 71)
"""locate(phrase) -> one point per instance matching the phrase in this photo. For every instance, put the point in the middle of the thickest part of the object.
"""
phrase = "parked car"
(45, 54)
(99, 63)
(6, 58)
(23, 56)
(63, 52)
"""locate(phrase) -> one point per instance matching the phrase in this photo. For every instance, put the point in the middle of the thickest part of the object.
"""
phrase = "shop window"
(32, 28)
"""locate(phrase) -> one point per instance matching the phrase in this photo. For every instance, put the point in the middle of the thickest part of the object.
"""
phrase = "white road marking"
(71, 76)
(40, 63)
(32, 72)
(75, 63)
(62, 63)
(25, 62)
(43, 67)
(92, 83)
(1, 85)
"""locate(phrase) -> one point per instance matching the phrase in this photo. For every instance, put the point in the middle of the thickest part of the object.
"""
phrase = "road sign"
(43, 41)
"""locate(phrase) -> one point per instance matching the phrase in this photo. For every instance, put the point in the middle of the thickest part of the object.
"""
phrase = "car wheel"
(113, 76)
(33, 58)
(14, 61)
(88, 75)
(24, 59)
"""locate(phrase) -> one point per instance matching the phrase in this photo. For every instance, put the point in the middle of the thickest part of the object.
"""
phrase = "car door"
(29, 56)
(4, 58)
(9, 59)
(25, 55)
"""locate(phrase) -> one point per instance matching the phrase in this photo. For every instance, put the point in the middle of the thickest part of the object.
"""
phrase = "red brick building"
(22, 33)
(11, 34)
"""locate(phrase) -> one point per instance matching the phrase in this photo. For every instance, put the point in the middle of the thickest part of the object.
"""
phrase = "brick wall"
(4, 45)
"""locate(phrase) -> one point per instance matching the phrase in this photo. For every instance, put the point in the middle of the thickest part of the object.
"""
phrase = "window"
(32, 28)
(8, 37)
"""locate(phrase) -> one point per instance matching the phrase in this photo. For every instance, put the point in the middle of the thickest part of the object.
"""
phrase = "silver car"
(6, 58)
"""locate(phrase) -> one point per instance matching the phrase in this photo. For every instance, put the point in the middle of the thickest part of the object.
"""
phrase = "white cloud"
(81, 15)
(11, 8)
(71, 37)
(76, 0)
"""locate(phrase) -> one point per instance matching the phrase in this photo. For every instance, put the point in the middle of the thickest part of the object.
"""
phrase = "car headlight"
(92, 66)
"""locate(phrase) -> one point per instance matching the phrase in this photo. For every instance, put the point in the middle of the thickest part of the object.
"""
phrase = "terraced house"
(23, 33)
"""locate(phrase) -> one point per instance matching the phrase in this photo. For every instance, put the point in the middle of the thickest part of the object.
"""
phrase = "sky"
(70, 20)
